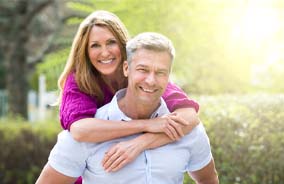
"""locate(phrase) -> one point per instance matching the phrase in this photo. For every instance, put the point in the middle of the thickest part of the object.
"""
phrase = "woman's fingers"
(178, 119)
(120, 165)
(110, 157)
(177, 127)
(169, 134)
(173, 130)
(115, 164)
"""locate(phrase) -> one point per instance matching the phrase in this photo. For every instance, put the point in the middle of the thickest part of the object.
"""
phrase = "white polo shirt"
(163, 165)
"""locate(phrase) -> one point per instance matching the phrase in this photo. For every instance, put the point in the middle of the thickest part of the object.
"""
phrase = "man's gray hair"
(150, 41)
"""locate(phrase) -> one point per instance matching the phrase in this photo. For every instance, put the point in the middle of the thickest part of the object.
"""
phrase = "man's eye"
(161, 73)
(142, 70)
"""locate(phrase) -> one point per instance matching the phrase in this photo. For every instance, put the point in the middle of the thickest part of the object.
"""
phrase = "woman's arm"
(156, 140)
(184, 109)
(125, 152)
(77, 110)
(98, 130)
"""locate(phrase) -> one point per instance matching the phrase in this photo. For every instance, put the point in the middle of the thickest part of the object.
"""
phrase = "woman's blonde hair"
(86, 76)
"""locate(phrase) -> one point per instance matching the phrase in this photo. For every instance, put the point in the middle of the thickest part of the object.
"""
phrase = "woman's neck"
(115, 82)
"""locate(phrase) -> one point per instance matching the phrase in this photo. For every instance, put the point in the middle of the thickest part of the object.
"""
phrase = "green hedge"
(246, 133)
(247, 137)
(24, 150)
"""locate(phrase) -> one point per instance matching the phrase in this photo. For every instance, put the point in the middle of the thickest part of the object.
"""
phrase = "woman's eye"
(111, 42)
(95, 45)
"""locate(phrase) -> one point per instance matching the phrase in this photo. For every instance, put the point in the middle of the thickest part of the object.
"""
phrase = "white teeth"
(106, 61)
(148, 90)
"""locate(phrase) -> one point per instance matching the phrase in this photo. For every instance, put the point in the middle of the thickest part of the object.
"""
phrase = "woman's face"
(104, 51)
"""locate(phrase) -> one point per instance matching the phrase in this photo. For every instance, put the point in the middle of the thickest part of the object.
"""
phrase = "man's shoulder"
(103, 111)
(66, 137)
(198, 134)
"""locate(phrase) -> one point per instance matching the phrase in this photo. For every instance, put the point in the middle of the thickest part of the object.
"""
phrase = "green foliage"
(214, 53)
(25, 149)
(2, 72)
(52, 67)
(86, 8)
(246, 134)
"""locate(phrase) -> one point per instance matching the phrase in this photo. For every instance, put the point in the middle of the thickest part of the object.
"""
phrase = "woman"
(92, 75)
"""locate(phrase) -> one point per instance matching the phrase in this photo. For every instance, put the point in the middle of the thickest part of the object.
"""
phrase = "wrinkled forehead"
(149, 57)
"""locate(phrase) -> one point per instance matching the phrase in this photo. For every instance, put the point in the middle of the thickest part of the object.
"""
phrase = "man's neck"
(135, 110)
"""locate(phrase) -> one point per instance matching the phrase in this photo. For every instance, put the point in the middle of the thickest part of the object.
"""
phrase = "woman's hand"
(170, 124)
(125, 152)
(121, 154)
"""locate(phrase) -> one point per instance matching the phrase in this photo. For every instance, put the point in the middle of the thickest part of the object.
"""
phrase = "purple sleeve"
(78, 181)
(75, 104)
(175, 98)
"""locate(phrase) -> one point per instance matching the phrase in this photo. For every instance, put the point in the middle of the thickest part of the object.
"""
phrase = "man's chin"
(148, 101)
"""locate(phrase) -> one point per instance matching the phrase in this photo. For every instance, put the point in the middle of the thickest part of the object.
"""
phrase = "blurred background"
(229, 57)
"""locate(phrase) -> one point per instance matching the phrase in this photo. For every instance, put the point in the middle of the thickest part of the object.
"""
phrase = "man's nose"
(150, 79)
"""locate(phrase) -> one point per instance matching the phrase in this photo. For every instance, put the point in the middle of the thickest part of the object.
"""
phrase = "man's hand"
(121, 154)
(170, 124)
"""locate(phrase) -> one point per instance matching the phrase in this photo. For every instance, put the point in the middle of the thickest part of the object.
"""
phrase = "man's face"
(148, 75)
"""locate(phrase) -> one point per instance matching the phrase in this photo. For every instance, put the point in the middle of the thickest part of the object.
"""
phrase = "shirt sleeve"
(68, 156)
(75, 104)
(175, 98)
(200, 151)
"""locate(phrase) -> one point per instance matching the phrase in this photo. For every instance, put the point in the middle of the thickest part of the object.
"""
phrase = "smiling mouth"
(148, 90)
(106, 61)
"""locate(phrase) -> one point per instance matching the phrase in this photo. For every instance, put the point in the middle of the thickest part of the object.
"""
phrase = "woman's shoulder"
(70, 80)
(70, 77)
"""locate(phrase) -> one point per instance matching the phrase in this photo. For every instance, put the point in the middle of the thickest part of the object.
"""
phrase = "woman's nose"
(104, 51)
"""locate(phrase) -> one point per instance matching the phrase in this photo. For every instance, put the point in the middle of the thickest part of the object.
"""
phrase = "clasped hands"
(125, 152)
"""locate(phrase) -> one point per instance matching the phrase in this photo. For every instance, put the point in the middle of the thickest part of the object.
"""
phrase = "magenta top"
(76, 105)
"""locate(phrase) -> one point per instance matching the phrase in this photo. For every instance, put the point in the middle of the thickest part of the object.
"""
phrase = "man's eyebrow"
(163, 70)
(141, 65)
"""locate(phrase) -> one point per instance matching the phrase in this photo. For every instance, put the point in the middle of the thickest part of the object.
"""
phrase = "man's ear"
(125, 68)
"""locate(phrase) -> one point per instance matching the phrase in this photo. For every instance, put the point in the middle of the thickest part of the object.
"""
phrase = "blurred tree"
(135, 17)
(214, 53)
(27, 28)
(199, 33)
(2, 72)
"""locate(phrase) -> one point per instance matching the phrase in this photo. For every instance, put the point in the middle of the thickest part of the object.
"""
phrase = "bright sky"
(261, 32)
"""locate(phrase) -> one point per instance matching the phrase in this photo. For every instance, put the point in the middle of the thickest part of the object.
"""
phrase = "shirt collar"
(115, 113)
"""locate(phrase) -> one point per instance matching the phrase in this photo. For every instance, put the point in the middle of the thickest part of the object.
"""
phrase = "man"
(149, 64)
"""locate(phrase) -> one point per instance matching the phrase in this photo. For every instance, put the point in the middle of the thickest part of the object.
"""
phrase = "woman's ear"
(125, 68)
